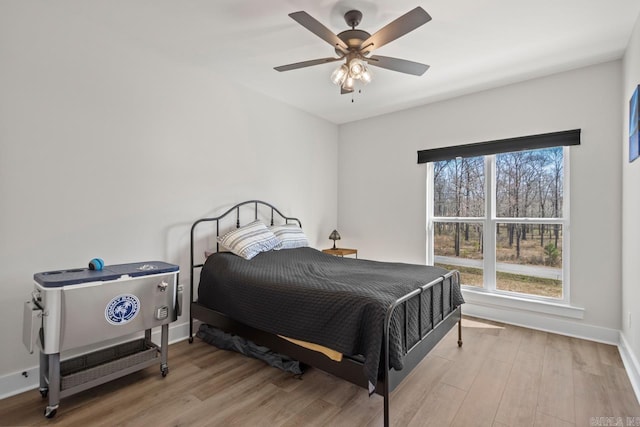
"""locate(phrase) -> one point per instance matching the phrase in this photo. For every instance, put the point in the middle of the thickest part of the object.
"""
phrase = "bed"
(383, 318)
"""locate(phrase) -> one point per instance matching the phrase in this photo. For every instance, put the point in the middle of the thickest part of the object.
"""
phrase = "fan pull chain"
(359, 91)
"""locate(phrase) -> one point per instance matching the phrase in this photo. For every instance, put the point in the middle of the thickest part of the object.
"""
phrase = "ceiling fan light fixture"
(353, 46)
(339, 75)
(366, 76)
(356, 68)
(348, 83)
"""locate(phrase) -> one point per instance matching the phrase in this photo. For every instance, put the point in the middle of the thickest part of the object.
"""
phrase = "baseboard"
(28, 379)
(630, 364)
(543, 323)
(19, 382)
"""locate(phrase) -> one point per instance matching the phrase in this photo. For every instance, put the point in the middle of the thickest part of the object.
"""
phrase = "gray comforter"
(308, 295)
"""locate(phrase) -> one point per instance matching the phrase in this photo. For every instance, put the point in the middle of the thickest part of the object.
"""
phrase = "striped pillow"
(250, 240)
(290, 236)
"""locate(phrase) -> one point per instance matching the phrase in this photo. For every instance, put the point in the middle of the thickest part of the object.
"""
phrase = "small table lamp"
(334, 236)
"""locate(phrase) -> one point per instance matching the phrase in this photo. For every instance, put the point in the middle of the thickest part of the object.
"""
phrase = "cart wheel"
(164, 370)
(190, 340)
(44, 392)
(50, 411)
(459, 343)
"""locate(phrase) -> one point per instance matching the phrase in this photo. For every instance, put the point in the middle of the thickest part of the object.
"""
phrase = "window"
(502, 221)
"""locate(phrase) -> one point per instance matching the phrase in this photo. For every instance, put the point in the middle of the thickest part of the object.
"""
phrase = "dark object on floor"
(225, 341)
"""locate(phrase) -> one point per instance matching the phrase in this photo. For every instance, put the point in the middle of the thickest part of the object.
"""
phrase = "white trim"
(489, 268)
(15, 383)
(490, 299)
(631, 364)
(429, 224)
(543, 322)
(566, 227)
(470, 219)
(501, 220)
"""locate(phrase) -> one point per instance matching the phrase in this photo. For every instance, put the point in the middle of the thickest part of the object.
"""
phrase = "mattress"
(336, 302)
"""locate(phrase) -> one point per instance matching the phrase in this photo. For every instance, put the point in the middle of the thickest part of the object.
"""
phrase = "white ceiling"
(470, 44)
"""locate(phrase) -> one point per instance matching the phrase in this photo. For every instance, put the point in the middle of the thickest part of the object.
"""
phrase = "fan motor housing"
(353, 39)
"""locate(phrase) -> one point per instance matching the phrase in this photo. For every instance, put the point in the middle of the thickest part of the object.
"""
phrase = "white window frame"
(489, 222)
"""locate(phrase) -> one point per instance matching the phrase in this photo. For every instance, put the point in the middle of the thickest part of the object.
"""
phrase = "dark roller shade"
(531, 142)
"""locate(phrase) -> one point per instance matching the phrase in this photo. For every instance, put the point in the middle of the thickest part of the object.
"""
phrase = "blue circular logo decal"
(122, 309)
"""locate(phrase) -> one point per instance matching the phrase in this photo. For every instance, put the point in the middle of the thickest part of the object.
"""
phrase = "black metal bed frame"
(349, 369)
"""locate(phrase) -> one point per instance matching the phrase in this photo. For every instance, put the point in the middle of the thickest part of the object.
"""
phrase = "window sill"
(489, 299)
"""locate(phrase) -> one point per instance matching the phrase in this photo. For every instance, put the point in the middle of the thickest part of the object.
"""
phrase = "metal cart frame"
(136, 355)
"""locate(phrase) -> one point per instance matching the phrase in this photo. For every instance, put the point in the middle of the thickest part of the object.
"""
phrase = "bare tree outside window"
(459, 193)
(529, 224)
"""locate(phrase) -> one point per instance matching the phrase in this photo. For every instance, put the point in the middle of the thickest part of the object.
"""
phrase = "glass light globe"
(339, 75)
(366, 76)
(348, 84)
(356, 68)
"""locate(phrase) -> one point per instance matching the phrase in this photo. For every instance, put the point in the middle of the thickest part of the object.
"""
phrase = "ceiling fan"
(355, 46)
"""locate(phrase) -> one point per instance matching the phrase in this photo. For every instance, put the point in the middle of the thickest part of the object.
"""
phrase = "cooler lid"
(74, 276)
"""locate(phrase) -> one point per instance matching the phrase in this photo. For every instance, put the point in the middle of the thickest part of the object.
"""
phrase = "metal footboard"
(427, 340)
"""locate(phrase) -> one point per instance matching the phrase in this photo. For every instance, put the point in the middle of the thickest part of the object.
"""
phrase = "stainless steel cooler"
(74, 308)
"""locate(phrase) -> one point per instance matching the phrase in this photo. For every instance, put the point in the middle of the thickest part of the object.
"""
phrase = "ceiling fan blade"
(305, 64)
(396, 64)
(397, 28)
(312, 24)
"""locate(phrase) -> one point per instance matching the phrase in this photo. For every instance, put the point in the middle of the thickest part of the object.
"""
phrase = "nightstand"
(341, 252)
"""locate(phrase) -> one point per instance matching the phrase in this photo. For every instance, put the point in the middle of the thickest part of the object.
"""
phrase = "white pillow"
(290, 236)
(250, 240)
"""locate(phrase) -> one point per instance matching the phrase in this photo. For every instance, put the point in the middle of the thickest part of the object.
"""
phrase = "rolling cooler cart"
(70, 309)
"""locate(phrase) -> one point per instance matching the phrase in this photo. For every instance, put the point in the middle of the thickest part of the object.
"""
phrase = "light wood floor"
(502, 376)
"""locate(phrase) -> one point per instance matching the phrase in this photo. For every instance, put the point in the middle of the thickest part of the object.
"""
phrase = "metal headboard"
(256, 204)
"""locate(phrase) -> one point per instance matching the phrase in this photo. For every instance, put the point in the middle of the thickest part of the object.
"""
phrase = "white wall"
(381, 202)
(109, 150)
(631, 216)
